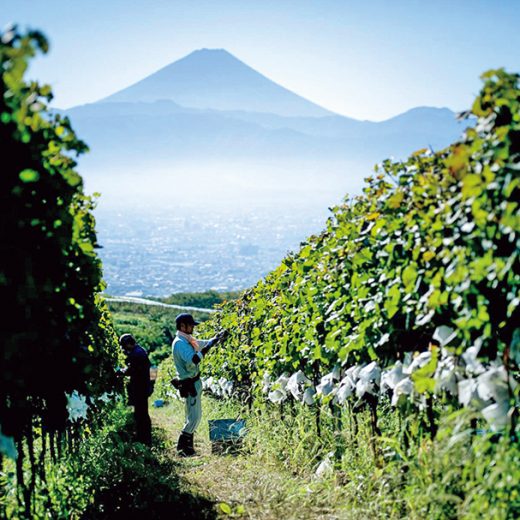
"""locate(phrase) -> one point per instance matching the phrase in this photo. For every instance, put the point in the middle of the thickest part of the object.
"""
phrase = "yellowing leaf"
(396, 199)
(409, 275)
(428, 255)
(472, 185)
(225, 508)
(305, 252)
(458, 159)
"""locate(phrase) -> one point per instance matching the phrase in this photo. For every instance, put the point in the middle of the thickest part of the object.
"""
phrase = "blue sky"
(368, 59)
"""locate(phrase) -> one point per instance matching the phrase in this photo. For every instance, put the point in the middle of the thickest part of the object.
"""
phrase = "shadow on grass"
(138, 482)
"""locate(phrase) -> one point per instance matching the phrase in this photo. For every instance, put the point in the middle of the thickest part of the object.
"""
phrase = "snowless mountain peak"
(216, 79)
(209, 54)
(205, 50)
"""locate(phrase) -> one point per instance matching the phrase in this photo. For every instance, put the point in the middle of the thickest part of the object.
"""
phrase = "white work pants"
(193, 410)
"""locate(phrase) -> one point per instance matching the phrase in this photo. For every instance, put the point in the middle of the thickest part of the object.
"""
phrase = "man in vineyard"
(139, 387)
(187, 355)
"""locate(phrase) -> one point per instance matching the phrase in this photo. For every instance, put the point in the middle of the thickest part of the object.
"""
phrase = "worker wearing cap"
(187, 355)
(139, 387)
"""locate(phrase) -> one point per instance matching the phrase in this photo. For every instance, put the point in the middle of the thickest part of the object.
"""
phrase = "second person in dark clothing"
(139, 386)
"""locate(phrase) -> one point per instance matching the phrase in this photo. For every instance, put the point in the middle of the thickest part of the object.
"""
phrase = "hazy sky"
(368, 59)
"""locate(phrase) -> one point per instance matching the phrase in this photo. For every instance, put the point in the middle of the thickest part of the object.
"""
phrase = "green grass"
(249, 485)
(109, 476)
(274, 474)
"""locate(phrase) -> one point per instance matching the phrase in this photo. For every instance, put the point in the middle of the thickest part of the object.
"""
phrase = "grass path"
(243, 485)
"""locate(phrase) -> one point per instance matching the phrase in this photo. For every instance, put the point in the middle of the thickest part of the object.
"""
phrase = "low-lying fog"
(217, 226)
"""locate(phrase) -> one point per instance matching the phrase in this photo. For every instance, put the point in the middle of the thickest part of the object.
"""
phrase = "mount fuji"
(209, 118)
(215, 79)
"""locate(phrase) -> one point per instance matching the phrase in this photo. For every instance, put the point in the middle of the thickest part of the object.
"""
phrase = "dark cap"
(185, 318)
(126, 339)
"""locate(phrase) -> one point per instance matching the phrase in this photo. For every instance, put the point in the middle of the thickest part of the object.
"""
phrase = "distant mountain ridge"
(122, 131)
(215, 79)
(209, 117)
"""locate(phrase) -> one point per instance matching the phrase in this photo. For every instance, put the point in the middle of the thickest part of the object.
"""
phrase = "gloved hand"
(222, 335)
(213, 341)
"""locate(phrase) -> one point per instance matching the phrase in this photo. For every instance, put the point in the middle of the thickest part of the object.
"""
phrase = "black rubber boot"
(190, 449)
(185, 445)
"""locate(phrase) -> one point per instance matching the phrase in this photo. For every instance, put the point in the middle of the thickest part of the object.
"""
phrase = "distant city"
(156, 253)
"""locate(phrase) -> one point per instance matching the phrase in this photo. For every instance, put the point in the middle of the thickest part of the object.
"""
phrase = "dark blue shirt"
(139, 372)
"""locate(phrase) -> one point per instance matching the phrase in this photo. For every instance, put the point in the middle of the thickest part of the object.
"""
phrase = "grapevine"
(409, 295)
(58, 347)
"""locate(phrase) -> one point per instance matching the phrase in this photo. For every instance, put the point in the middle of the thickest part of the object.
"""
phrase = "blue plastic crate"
(226, 429)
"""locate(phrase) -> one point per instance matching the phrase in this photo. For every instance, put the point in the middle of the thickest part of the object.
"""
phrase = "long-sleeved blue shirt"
(183, 357)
